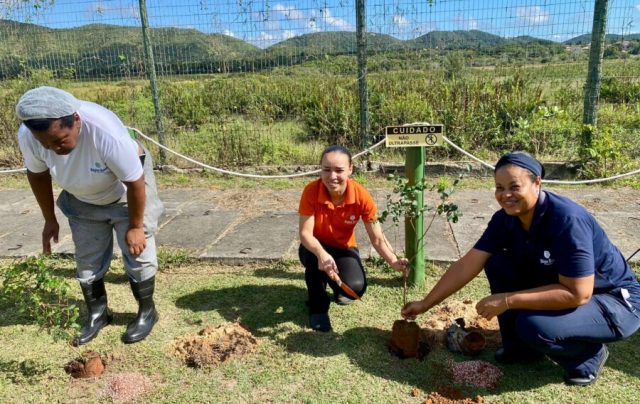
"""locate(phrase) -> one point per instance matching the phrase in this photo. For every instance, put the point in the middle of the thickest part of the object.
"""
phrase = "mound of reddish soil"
(440, 318)
(127, 387)
(214, 345)
(436, 398)
(88, 365)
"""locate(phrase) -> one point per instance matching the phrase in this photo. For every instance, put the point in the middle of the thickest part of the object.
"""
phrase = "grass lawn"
(291, 363)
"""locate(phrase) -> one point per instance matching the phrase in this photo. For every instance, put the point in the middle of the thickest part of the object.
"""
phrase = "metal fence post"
(596, 52)
(361, 42)
(414, 227)
(151, 69)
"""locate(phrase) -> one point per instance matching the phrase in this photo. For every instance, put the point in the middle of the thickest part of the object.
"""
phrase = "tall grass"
(287, 115)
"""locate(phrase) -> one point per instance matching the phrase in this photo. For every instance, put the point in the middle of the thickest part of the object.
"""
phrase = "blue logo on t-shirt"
(99, 168)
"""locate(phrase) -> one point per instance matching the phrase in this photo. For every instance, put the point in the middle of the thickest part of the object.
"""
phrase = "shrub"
(33, 290)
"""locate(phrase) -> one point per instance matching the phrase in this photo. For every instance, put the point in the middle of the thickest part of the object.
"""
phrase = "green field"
(286, 116)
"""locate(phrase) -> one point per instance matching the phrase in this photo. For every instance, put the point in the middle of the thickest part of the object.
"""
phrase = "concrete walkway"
(214, 226)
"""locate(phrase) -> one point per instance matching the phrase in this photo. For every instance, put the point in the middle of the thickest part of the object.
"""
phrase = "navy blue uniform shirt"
(564, 239)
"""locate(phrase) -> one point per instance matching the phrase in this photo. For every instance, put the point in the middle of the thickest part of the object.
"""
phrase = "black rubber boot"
(141, 326)
(95, 296)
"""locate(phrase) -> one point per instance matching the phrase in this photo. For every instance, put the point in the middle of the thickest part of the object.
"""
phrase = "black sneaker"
(320, 322)
(586, 380)
(508, 357)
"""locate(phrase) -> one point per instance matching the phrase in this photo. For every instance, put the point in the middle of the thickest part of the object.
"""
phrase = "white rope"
(238, 174)
(223, 171)
(615, 177)
(15, 170)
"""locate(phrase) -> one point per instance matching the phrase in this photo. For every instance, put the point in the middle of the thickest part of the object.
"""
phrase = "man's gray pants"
(92, 228)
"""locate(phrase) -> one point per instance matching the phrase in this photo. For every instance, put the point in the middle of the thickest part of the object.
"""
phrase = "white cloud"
(101, 8)
(466, 23)
(400, 21)
(228, 33)
(532, 15)
(638, 7)
(266, 37)
(290, 12)
(286, 34)
(335, 21)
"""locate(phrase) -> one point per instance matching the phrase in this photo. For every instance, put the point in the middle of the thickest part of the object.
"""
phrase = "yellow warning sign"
(414, 135)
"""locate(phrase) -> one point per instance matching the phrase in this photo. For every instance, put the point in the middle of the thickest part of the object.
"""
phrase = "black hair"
(43, 124)
(336, 149)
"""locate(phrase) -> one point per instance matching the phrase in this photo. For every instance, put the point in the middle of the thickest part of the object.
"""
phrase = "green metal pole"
(363, 92)
(594, 74)
(414, 227)
(151, 71)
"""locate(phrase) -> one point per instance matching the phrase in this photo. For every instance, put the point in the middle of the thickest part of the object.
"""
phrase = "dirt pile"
(439, 319)
(127, 387)
(406, 340)
(88, 365)
(436, 398)
(214, 345)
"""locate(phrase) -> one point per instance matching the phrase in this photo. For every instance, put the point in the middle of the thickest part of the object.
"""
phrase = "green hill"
(333, 43)
(586, 39)
(97, 50)
(456, 40)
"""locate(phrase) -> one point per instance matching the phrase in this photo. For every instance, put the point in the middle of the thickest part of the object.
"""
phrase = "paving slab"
(438, 240)
(21, 234)
(270, 236)
(194, 221)
(623, 230)
(177, 200)
(195, 227)
(16, 200)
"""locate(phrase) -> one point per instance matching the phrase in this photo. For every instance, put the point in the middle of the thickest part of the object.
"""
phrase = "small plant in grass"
(32, 288)
(402, 203)
(173, 257)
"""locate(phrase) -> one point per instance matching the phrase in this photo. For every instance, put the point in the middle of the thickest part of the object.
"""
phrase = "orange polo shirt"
(335, 225)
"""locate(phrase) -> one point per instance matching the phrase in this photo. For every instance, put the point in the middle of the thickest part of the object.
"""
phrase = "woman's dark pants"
(350, 270)
(572, 338)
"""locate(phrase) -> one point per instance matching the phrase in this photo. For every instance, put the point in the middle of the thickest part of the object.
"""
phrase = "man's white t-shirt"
(103, 158)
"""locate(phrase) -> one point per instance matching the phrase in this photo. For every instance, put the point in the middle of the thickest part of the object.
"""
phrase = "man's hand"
(136, 241)
(50, 231)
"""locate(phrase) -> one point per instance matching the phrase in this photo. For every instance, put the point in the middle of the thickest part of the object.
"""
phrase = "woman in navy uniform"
(559, 287)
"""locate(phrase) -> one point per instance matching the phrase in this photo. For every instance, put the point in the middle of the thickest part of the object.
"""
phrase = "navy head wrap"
(521, 159)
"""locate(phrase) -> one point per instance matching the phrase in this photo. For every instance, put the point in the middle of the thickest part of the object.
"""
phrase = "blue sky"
(264, 23)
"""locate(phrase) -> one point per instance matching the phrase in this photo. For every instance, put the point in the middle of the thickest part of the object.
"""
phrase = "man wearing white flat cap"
(108, 185)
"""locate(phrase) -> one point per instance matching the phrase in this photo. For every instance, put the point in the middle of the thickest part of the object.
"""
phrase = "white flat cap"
(46, 102)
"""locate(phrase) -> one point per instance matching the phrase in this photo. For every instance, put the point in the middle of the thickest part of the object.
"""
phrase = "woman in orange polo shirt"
(330, 208)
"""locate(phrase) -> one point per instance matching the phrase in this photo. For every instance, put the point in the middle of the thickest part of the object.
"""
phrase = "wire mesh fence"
(498, 74)
(102, 39)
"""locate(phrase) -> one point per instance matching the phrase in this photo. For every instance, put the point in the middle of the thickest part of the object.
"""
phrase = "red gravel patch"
(214, 345)
(475, 374)
(126, 387)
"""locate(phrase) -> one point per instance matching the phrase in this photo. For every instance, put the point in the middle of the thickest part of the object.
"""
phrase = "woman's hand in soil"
(411, 310)
(492, 305)
(400, 265)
